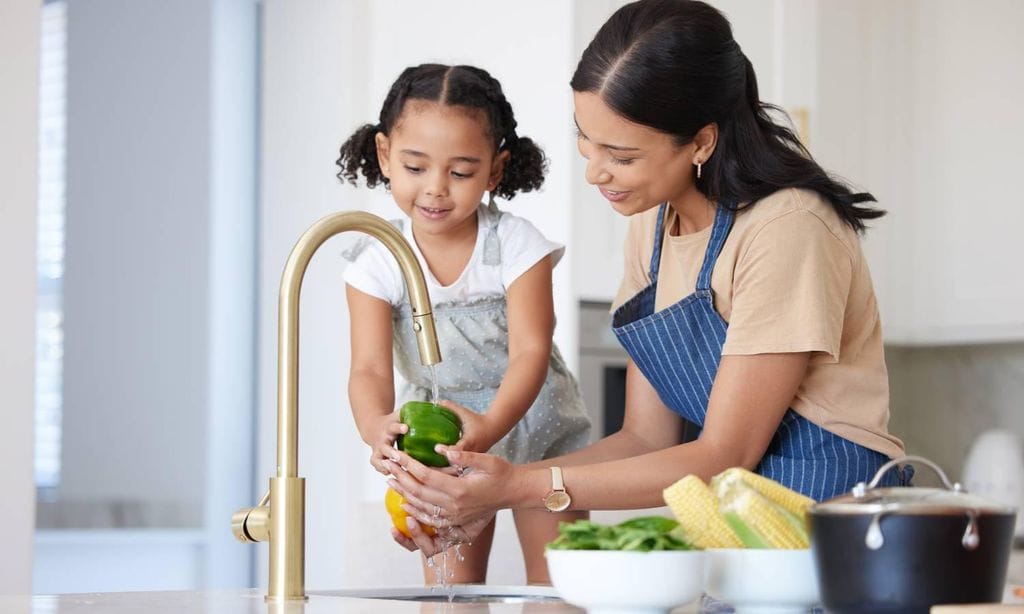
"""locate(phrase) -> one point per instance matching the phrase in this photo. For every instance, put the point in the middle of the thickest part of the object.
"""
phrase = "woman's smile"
(613, 195)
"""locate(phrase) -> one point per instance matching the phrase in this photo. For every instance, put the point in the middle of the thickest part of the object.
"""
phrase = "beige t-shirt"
(790, 278)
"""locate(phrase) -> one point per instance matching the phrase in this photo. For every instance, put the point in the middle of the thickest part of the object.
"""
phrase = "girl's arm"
(748, 400)
(371, 386)
(531, 324)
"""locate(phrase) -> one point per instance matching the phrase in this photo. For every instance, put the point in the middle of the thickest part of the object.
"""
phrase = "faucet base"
(287, 539)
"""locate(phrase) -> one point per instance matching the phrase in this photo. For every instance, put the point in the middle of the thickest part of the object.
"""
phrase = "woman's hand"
(387, 428)
(478, 433)
(486, 484)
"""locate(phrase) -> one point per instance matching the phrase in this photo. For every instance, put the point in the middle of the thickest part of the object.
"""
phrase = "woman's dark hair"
(462, 86)
(673, 65)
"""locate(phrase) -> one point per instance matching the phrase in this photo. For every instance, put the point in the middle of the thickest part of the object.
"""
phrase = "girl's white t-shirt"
(519, 246)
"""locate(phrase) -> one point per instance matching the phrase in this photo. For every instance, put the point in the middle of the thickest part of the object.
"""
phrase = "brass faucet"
(280, 515)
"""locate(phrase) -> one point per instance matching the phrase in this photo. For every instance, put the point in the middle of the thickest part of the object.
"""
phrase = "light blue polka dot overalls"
(678, 350)
(474, 349)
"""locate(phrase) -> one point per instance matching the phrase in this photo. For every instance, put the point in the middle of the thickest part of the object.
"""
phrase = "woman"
(746, 306)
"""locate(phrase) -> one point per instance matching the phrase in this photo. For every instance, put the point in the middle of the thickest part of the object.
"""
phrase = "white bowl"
(607, 581)
(763, 580)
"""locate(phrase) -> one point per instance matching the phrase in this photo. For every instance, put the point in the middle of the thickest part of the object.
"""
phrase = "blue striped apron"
(678, 350)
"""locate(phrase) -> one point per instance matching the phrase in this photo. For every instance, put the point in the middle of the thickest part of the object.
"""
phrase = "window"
(50, 247)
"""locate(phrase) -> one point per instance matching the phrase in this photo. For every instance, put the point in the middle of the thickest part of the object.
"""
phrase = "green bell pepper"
(429, 425)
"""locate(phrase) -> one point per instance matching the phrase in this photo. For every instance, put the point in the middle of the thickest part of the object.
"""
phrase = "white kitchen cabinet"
(919, 104)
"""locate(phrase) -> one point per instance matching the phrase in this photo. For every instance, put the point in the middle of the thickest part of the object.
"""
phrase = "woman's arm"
(371, 386)
(748, 400)
(531, 324)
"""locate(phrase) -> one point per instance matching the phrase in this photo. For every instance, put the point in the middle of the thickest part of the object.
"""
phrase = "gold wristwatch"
(557, 500)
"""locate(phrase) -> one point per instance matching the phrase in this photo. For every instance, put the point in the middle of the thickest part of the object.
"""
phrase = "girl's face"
(634, 166)
(439, 160)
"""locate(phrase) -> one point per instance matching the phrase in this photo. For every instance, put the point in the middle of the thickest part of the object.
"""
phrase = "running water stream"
(442, 575)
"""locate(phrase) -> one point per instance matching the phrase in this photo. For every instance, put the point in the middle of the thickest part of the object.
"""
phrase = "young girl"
(447, 135)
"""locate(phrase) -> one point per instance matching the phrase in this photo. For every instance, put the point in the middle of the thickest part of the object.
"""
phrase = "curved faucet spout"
(288, 315)
(280, 516)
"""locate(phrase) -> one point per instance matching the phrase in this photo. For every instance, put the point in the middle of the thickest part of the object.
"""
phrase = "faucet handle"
(251, 524)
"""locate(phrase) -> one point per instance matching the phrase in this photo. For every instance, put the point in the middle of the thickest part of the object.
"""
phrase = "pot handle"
(913, 460)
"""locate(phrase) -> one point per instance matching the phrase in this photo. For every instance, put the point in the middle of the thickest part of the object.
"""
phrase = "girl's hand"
(387, 428)
(477, 431)
(487, 484)
(431, 545)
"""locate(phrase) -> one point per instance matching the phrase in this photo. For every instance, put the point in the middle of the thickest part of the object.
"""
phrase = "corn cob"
(759, 522)
(778, 494)
(696, 509)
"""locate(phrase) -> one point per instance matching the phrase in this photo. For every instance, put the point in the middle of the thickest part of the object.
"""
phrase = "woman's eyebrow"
(605, 145)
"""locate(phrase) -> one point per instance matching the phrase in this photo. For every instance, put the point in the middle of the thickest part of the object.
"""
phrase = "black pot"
(888, 550)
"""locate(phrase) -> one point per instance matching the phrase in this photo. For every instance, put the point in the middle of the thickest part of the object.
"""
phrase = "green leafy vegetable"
(642, 534)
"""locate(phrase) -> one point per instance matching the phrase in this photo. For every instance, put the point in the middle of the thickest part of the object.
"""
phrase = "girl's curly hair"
(464, 86)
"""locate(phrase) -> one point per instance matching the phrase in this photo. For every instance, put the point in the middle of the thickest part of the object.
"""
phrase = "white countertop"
(248, 602)
(251, 601)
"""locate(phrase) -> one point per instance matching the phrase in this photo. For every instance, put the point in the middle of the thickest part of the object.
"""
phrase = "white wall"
(311, 86)
(19, 107)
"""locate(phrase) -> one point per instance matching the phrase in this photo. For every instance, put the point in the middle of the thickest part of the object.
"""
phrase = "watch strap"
(556, 479)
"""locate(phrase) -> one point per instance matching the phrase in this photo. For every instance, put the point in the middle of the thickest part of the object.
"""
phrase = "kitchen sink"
(456, 593)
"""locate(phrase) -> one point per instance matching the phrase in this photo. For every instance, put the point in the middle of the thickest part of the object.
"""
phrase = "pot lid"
(910, 500)
(867, 499)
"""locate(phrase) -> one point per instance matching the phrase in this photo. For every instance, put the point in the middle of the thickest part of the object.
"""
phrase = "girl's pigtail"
(359, 156)
(525, 169)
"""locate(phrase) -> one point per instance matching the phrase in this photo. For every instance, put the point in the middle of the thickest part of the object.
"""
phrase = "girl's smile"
(432, 213)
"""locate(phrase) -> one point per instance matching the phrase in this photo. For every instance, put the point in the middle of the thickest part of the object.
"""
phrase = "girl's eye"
(579, 135)
(413, 169)
(623, 161)
(461, 175)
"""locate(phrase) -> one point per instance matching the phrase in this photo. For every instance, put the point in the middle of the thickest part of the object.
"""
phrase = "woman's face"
(635, 167)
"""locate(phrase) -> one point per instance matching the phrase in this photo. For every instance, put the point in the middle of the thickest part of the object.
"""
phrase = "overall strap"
(719, 232)
(658, 238)
(492, 243)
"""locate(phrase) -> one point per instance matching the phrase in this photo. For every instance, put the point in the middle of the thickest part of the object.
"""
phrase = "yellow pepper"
(393, 504)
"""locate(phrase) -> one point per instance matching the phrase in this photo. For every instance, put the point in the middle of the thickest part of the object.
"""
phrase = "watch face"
(557, 501)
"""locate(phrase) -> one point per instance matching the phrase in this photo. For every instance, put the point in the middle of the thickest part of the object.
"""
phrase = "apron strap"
(658, 238)
(719, 232)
